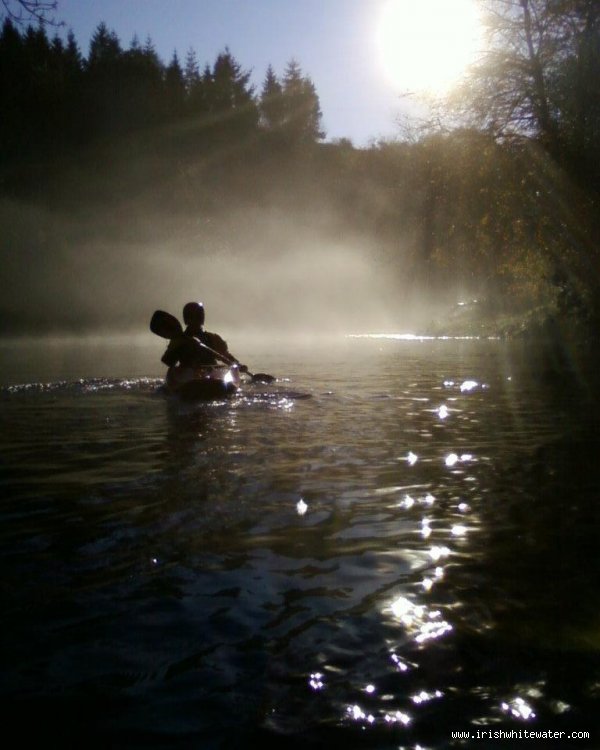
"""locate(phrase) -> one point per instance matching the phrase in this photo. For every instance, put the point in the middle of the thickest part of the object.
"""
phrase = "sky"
(334, 41)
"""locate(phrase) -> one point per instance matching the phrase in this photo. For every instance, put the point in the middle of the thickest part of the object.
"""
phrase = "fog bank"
(265, 270)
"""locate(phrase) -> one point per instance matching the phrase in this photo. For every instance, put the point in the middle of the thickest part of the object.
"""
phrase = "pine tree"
(141, 87)
(103, 83)
(74, 124)
(302, 110)
(12, 70)
(191, 71)
(272, 111)
(150, 53)
(72, 53)
(174, 88)
(105, 48)
(230, 84)
(230, 96)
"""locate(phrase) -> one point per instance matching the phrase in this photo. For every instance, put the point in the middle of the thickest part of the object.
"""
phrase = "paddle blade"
(263, 377)
(165, 325)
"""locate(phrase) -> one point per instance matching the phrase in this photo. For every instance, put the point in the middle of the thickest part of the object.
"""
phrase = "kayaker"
(185, 352)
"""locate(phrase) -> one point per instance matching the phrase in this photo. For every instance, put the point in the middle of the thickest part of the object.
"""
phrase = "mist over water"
(258, 271)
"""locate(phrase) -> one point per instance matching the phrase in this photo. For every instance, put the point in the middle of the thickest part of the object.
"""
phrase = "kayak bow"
(202, 383)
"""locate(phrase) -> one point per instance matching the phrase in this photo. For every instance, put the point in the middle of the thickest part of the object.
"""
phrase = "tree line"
(54, 98)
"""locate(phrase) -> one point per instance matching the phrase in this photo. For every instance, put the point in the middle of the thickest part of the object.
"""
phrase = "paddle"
(167, 326)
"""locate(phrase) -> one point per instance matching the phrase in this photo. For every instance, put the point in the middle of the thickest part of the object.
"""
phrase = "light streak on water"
(408, 502)
(411, 337)
(398, 717)
(357, 714)
(424, 696)
(437, 552)
(401, 665)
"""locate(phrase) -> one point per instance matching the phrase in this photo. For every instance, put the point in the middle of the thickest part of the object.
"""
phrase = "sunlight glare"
(427, 45)
(316, 681)
(421, 623)
(519, 709)
(397, 717)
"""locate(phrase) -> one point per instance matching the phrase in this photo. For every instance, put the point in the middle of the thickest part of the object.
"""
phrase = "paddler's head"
(193, 314)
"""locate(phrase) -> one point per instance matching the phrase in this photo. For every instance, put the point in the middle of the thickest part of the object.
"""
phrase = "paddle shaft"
(218, 355)
(260, 376)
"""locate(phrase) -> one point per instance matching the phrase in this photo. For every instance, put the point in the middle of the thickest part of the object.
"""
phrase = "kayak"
(205, 383)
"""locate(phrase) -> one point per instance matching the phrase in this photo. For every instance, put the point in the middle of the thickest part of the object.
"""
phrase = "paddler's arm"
(173, 351)
(220, 346)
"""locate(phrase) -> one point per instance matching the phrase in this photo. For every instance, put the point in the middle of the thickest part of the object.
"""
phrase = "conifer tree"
(230, 84)
(72, 72)
(191, 71)
(272, 105)
(302, 118)
(105, 47)
(37, 103)
(103, 83)
(141, 86)
(174, 88)
(230, 96)
(12, 69)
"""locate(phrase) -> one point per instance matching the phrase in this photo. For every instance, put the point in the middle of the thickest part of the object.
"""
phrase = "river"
(396, 541)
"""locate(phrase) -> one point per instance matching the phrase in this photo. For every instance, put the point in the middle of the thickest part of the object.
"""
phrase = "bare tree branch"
(25, 11)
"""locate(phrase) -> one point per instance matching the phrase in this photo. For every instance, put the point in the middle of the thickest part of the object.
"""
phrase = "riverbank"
(480, 319)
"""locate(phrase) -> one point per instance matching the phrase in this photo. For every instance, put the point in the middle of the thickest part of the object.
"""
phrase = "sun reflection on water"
(458, 530)
(401, 664)
(519, 709)
(357, 714)
(437, 552)
(421, 623)
(425, 697)
(440, 522)
(398, 717)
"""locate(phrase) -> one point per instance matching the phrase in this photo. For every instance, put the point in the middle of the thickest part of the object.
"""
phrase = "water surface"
(395, 541)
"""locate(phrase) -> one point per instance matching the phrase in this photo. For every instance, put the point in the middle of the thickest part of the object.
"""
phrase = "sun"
(425, 45)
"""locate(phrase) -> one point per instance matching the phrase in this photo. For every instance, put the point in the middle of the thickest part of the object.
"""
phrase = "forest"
(113, 159)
